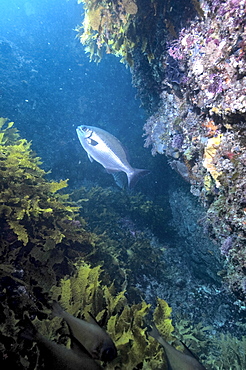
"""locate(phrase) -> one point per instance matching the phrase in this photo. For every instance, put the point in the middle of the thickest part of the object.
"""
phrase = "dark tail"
(136, 175)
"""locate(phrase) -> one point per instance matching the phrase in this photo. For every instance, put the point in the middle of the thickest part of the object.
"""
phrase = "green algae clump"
(37, 223)
(84, 293)
(40, 233)
(121, 27)
(108, 25)
(27, 198)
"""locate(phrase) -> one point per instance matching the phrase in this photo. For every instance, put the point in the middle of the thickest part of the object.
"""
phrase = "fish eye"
(108, 354)
(84, 129)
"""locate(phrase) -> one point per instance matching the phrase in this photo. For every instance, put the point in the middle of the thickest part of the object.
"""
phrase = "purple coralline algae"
(226, 246)
(177, 141)
(202, 129)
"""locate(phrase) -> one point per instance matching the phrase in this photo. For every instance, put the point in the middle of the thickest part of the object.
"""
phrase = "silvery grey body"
(176, 360)
(57, 356)
(107, 150)
(89, 334)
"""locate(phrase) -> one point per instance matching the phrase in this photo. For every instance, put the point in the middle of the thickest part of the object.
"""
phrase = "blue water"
(49, 87)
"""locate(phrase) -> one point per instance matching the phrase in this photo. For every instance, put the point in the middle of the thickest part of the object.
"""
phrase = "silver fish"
(176, 360)
(57, 356)
(89, 334)
(105, 149)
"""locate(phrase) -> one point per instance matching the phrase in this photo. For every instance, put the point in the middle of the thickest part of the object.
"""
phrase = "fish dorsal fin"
(188, 352)
(93, 319)
(103, 320)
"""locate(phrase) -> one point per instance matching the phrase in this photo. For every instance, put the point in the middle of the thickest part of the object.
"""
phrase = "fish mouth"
(84, 130)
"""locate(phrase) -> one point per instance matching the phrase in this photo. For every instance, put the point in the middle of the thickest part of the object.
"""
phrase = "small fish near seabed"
(56, 356)
(176, 360)
(107, 150)
(89, 334)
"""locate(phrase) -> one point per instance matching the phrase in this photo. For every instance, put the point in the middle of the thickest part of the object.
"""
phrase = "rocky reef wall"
(200, 124)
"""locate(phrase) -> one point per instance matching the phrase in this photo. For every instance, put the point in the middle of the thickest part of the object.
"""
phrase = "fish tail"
(135, 176)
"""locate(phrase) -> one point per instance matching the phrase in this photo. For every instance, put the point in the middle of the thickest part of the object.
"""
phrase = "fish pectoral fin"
(95, 354)
(90, 157)
(188, 352)
(78, 347)
(92, 142)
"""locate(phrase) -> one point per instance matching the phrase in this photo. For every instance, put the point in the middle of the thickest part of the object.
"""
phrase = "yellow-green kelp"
(27, 199)
(37, 223)
(108, 25)
(125, 323)
(118, 27)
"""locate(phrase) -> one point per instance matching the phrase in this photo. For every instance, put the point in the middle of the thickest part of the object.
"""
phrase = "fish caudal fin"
(136, 175)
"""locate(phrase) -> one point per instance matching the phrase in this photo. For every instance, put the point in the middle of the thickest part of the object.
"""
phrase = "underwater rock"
(210, 115)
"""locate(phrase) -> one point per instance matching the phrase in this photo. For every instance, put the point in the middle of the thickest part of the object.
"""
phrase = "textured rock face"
(200, 125)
